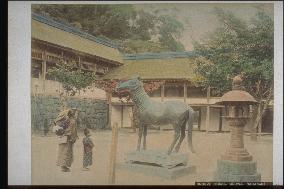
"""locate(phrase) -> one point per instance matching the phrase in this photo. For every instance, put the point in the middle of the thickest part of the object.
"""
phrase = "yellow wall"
(54, 88)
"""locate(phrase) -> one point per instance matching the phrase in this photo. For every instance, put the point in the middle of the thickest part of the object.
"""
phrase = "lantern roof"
(237, 95)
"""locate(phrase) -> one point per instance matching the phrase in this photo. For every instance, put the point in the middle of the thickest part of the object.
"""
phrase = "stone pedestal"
(236, 165)
(236, 171)
(158, 163)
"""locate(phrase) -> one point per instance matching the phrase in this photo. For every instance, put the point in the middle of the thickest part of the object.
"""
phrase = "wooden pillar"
(121, 116)
(113, 149)
(184, 92)
(109, 95)
(208, 110)
(199, 119)
(163, 92)
(79, 60)
(44, 69)
(220, 120)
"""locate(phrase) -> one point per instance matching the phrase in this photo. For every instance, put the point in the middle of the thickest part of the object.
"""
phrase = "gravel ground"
(209, 148)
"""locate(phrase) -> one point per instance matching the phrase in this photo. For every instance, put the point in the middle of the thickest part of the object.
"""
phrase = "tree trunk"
(260, 110)
(256, 122)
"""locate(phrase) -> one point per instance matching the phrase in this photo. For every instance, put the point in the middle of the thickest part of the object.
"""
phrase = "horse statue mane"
(151, 112)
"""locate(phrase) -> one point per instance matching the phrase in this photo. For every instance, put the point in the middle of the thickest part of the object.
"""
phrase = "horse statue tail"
(190, 120)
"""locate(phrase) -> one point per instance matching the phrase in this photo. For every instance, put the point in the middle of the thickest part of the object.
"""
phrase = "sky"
(201, 17)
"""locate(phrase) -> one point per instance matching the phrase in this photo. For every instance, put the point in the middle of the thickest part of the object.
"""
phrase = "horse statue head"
(129, 85)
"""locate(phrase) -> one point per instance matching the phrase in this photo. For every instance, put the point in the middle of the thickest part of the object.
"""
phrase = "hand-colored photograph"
(152, 94)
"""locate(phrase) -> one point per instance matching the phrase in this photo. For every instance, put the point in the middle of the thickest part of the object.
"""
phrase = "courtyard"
(209, 147)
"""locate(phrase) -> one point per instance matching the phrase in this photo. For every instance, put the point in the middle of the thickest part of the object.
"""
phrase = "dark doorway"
(197, 118)
(267, 121)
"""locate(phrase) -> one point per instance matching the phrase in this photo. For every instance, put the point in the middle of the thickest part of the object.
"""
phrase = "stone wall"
(93, 113)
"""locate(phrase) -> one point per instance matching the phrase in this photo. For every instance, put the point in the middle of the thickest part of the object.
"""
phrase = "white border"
(19, 106)
(278, 95)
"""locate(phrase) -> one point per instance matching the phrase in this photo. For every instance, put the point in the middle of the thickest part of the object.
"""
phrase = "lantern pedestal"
(236, 171)
(237, 165)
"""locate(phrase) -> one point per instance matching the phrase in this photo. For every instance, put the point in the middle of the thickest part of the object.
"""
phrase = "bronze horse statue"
(151, 112)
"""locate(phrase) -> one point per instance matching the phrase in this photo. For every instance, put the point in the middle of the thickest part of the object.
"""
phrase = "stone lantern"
(237, 165)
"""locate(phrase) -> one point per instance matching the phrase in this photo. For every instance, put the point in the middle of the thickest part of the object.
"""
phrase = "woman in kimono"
(88, 150)
(66, 142)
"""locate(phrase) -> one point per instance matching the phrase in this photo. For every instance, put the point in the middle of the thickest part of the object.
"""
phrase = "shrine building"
(53, 42)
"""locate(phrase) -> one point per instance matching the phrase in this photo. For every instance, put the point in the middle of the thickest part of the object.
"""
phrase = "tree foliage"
(238, 47)
(74, 80)
(72, 77)
(133, 30)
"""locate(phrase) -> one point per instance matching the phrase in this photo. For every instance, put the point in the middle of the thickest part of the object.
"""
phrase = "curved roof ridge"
(73, 30)
(161, 55)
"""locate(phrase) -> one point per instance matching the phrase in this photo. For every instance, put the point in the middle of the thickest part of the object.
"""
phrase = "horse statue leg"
(176, 136)
(182, 136)
(140, 132)
(144, 136)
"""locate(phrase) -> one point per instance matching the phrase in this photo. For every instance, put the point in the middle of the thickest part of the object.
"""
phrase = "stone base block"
(237, 168)
(235, 171)
(163, 172)
(159, 158)
(236, 178)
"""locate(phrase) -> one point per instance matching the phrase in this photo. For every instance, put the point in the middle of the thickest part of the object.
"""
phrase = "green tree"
(239, 47)
(72, 77)
(170, 32)
(133, 30)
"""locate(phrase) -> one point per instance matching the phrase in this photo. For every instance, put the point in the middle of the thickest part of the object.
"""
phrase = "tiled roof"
(71, 29)
(159, 67)
(48, 30)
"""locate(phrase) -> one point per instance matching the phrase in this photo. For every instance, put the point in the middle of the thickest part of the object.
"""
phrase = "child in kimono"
(88, 146)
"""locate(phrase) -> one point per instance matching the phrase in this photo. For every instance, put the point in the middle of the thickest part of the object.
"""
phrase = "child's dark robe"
(88, 146)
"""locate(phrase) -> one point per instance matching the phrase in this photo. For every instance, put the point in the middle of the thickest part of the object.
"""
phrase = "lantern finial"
(237, 83)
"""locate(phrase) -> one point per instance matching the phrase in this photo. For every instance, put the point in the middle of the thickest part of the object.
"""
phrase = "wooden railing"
(36, 54)
(56, 58)
(52, 57)
(88, 66)
(101, 69)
